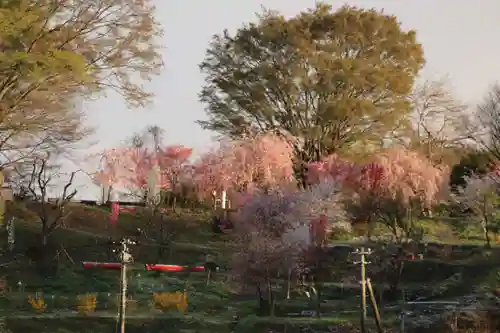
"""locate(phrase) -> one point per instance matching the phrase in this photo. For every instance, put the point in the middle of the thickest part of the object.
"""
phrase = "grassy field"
(444, 275)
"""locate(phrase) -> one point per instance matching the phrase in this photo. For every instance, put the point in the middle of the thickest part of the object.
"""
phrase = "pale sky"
(460, 40)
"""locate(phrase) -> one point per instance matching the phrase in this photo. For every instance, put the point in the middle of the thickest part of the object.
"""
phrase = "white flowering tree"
(480, 196)
(272, 235)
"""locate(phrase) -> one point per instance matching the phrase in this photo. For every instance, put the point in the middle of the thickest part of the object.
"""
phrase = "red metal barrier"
(149, 267)
(174, 268)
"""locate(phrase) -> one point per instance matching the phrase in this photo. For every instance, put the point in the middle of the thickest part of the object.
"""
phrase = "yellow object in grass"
(171, 301)
(86, 303)
(37, 303)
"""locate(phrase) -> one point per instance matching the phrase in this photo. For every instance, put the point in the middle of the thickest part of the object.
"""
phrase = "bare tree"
(43, 177)
(483, 126)
(436, 120)
(22, 135)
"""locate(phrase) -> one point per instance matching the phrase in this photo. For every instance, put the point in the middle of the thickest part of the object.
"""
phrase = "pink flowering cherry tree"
(136, 169)
(242, 167)
(129, 169)
(146, 174)
(392, 188)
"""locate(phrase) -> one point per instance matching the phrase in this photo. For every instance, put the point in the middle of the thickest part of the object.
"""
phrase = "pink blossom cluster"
(132, 168)
(397, 174)
(263, 162)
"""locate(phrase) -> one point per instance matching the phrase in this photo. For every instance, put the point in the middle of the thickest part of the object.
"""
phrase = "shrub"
(492, 281)
(171, 301)
(476, 162)
(86, 303)
(37, 303)
(340, 234)
(439, 230)
(361, 229)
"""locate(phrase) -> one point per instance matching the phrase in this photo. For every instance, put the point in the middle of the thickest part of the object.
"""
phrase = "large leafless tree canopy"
(436, 120)
(483, 126)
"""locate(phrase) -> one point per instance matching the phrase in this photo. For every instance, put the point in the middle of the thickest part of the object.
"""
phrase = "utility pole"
(125, 259)
(123, 249)
(363, 253)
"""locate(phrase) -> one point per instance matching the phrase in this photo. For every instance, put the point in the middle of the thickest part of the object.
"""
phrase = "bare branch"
(41, 178)
(436, 120)
(484, 125)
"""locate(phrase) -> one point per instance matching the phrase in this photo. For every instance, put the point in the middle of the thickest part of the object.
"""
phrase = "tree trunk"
(486, 235)
(108, 199)
(158, 236)
(270, 298)
(370, 228)
(485, 223)
(395, 276)
(318, 300)
(263, 309)
(45, 234)
(288, 283)
(170, 249)
(395, 231)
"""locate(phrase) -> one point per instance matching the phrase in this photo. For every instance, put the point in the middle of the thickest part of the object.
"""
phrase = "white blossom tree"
(272, 235)
(481, 197)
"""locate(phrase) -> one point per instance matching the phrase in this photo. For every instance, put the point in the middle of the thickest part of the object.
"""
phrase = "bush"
(476, 162)
(340, 234)
(437, 230)
(360, 229)
(170, 301)
(86, 303)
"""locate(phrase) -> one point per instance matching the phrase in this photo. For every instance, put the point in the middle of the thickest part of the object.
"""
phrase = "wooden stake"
(373, 300)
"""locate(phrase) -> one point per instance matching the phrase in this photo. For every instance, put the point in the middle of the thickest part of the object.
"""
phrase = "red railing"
(174, 268)
(149, 267)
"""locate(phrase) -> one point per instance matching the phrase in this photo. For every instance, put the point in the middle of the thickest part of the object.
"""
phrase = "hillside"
(447, 275)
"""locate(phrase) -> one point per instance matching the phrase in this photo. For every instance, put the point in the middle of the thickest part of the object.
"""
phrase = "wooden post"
(378, 320)
(403, 312)
(363, 291)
